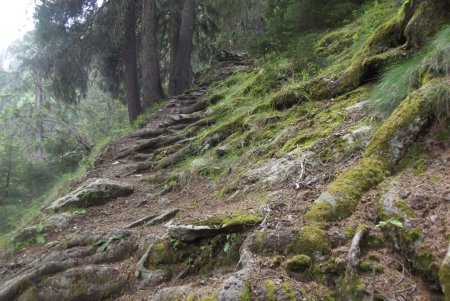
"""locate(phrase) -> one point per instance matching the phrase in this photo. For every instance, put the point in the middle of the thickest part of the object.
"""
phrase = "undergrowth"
(400, 79)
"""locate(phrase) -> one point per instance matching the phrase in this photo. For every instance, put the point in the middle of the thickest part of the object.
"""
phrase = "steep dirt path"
(128, 161)
(272, 248)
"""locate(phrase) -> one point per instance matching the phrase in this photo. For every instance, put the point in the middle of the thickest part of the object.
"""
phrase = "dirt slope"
(248, 188)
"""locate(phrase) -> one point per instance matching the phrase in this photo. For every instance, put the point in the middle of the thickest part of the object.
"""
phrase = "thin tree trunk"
(130, 62)
(151, 75)
(181, 76)
(175, 23)
(39, 121)
(8, 175)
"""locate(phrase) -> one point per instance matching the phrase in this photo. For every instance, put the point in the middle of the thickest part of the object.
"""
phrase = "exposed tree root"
(198, 106)
(154, 219)
(13, 287)
(150, 278)
(151, 133)
(355, 249)
(176, 157)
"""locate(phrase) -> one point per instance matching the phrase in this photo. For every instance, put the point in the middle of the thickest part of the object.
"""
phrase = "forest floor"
(384, 272)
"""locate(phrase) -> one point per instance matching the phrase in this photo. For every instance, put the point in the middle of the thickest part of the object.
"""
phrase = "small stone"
(405, 194)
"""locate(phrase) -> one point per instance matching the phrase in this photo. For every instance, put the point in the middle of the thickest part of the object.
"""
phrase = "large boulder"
(92, 193)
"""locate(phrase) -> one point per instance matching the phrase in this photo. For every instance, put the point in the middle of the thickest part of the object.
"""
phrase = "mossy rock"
(202, 257)
(311, 240)
(271, 242)
(298, 263)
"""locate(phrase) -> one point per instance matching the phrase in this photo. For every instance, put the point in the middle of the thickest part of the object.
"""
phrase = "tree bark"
(151, 76)
(175, 23)
(130, 62)
(181, 76)
(39, 121)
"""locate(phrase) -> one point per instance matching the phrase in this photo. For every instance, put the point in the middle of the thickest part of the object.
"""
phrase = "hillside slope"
(260, 184)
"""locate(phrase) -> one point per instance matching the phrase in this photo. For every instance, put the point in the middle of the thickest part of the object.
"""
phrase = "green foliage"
(104, 244)
(286, 18)
(392, 221)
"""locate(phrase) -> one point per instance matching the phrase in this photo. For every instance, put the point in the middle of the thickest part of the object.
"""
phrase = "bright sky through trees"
(16, 18)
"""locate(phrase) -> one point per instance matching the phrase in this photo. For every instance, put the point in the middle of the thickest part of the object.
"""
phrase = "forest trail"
(124, 250)
(130, 160)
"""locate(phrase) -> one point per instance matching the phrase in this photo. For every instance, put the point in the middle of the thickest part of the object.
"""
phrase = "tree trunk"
(181, 76)
(151, 76)
(175, 23)
(130, 62)
(8, 174)
(39, 121)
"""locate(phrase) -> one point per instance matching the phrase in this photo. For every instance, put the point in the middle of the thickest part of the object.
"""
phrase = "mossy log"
(383, 153)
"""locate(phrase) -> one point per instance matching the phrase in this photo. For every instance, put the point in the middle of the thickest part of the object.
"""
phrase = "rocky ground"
(140, 227)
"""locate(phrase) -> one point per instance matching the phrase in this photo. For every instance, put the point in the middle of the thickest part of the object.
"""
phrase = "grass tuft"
(400, 79)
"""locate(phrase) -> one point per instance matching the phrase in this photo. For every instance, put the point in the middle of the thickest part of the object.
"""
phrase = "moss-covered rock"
(202, 257)
(311, 240)
(298, 263)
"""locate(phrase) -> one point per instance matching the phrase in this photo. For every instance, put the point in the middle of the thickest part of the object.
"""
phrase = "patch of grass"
(29, 212)
(400, 79)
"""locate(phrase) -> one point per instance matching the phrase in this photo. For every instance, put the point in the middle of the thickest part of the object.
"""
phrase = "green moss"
(344, 193)
(426, 265)
(412, 107)
(213, 297)
(320, 212)
(159, 247)
(271, 290)
(227, 221)
(246, 294)
(369, 266)
(374, 241)
(288, 291)
(312, 239)
(298, 263)
(404, 208)
(415, 157)
(352, 288)
(444, 277)
(277, 260)
(289, 96)
(410, 236)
